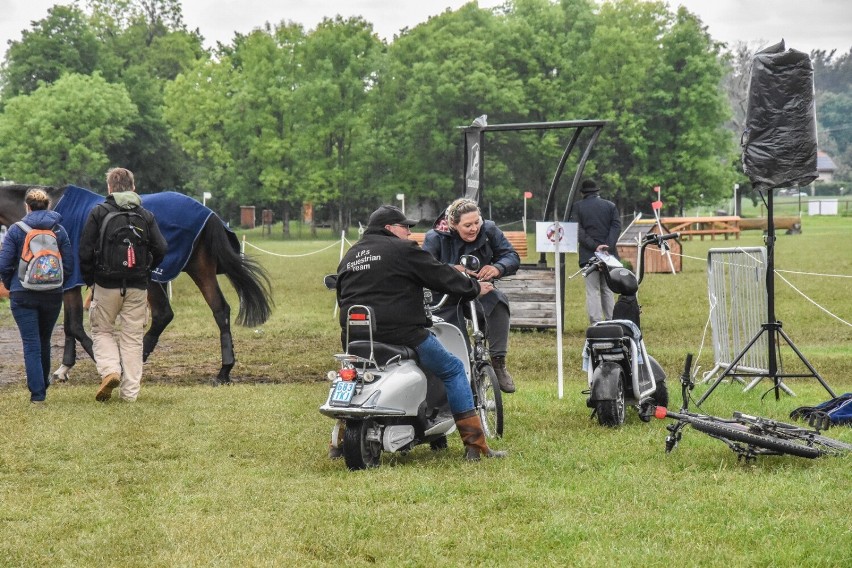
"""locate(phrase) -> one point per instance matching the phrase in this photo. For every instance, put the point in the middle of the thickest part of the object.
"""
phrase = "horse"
(214, 250)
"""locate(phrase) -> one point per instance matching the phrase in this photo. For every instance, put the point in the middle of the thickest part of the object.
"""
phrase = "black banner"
(473, 164)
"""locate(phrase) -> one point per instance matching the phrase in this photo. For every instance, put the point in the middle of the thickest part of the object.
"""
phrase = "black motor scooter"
(620, 371)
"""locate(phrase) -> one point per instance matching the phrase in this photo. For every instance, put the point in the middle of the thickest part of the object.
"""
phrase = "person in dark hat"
(598, 227)
(388, 272)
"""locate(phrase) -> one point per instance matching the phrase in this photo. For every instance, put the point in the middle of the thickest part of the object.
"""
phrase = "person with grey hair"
(468, 234)
(35, 311)
(598, 227)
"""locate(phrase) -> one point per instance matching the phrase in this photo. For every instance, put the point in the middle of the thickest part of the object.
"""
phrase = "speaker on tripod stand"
(779, 150)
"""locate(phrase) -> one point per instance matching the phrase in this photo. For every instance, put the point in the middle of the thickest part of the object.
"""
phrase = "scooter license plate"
(343, 392)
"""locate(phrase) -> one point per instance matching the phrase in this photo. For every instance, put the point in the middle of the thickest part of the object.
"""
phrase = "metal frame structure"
(474, 170)
(772, 327)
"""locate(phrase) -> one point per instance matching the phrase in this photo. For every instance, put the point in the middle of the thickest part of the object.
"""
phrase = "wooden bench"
(792, 224)
(689, 227)
(518, 239)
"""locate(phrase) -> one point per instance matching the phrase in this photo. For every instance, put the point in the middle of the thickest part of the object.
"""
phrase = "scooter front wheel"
(488, 400)
(362, 447)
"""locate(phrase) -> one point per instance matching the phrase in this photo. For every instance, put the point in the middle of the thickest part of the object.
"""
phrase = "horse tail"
(247, 276)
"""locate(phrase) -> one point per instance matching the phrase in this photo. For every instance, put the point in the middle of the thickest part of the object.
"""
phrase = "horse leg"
(203, 273)
(161, 316)
(74, 332)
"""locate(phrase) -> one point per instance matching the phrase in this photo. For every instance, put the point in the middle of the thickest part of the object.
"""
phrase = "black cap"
(588, 186)
(389, 215)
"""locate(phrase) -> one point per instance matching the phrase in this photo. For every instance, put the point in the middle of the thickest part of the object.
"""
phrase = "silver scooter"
(384, 402)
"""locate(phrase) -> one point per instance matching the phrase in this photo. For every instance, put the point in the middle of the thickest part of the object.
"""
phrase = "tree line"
(340, 119)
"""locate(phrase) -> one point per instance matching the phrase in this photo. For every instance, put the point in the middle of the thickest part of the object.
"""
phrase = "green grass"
(238, 476)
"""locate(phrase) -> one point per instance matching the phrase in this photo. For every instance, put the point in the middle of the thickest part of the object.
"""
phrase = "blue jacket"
(13, 245)
(491, 247)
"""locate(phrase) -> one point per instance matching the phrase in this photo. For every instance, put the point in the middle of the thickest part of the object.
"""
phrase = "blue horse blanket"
(180, 218)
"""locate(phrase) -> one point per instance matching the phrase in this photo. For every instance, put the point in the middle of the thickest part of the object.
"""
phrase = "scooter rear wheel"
(611, 413)
(359, 452)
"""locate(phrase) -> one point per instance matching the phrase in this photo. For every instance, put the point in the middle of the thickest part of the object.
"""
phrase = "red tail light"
(358, 317)
(348, 374)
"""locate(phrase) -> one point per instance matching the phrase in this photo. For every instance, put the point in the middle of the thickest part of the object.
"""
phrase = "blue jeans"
(36, 319)
(447, 367)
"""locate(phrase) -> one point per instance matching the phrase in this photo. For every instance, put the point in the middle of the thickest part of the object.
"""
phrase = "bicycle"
(747, 436)
(487, 397)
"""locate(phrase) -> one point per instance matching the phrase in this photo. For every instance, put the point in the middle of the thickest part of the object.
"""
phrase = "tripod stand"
(772, 327)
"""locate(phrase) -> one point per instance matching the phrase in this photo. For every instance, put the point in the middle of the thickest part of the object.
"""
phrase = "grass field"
(192, 475)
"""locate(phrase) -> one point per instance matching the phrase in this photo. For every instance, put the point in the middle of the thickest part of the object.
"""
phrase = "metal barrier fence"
(736, 282)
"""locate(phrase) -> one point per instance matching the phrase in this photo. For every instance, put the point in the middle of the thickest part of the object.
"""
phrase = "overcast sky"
(803, 24)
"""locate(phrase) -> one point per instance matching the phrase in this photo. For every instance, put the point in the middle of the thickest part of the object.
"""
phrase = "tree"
(61, 133)
(333, 142)
(234, 118)
(656, 76)
(63, 42)
(438, 76)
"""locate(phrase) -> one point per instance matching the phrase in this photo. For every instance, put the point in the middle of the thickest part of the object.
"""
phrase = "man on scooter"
(388, 272)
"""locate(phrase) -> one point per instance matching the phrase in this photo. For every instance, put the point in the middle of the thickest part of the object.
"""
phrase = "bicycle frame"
(747, 436)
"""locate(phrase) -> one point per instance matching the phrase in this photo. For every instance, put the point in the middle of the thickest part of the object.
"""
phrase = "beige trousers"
(118, 325)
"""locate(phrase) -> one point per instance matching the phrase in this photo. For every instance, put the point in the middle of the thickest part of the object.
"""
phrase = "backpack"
(123, 251)
(832, 412)
(40, 267)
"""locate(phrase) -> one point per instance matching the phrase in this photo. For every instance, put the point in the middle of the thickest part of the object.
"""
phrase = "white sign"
(822, 207)
(547, 234)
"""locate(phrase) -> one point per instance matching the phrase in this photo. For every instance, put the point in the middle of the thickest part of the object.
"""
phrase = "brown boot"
(504, 379)
(470, 430)
(107, 384)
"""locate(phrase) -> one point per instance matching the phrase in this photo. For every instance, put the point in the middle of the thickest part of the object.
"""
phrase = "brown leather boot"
(470, 430)
(504, 379)
(107, 384)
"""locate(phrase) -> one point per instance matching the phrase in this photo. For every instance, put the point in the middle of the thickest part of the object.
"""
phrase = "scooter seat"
(614, 329)
(606, 331)
(382, 352)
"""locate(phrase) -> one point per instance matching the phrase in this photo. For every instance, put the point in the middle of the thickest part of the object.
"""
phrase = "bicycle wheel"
(765, 441)
(828, 445)
(488, 400)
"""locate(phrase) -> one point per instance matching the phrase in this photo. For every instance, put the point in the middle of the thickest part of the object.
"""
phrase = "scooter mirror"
(330, 281)
(470, 262)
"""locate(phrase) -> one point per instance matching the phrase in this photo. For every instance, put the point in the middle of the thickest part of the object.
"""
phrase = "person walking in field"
(598, 227)
(120, 245)
(35, 258)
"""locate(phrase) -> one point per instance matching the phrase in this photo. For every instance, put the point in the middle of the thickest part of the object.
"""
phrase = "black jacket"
(91, 232)
(389, 274)
(491, 247)
(598, 223)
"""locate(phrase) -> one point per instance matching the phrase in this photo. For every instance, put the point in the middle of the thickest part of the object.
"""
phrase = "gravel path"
(11, 354)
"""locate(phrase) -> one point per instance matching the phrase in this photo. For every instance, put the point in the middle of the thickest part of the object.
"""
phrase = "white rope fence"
(778, 273)
(343, 242)
(245, 242)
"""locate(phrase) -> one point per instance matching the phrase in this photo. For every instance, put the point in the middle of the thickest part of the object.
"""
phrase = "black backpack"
(123, 252)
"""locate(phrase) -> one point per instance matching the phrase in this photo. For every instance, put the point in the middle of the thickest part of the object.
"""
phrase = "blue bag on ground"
(832, 412)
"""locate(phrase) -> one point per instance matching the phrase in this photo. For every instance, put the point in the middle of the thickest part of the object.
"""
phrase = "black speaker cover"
(779, 141)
